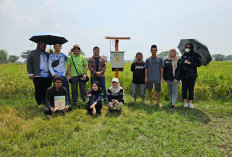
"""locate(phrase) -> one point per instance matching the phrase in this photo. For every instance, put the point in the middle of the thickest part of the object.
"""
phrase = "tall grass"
(213, 82)
(139, 130)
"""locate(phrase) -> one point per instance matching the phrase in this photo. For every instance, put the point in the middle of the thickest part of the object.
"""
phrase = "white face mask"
(187, 50)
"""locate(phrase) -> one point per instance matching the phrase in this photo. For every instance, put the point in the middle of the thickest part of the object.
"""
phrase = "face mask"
(187, 50)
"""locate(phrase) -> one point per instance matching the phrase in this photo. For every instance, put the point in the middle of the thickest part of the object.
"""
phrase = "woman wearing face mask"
(115, 96)
(95, 95)
(172, 67)
(190, 62)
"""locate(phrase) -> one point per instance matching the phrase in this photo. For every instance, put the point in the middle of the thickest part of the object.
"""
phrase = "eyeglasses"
(58, 82)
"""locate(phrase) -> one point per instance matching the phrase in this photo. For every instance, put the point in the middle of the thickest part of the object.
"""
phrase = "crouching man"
(54, 92)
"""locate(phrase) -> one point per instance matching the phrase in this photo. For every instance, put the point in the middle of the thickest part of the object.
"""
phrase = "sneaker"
(191, 105)
(185, 104)
(40, 106)
(172, 109)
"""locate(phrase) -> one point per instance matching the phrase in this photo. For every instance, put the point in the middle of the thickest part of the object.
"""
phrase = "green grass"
(139, 130)
(213, 82)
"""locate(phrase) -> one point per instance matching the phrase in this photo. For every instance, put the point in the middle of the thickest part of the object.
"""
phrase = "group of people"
(171, 70)
(44, 68)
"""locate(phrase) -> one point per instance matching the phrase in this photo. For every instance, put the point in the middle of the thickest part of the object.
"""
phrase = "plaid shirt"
(92, 66)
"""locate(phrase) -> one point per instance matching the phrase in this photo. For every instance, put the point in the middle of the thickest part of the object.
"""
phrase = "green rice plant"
(213, 82)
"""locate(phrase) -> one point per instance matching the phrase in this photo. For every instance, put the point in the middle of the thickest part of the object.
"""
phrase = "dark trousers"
(101, 80)
(65, 84)
(41, 85)
(47, 110)
(188, 85)
(74, 85)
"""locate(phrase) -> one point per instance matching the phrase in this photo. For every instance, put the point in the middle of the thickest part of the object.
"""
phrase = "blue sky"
(147, 22)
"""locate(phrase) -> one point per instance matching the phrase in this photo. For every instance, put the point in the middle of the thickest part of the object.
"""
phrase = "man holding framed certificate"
(57, 98)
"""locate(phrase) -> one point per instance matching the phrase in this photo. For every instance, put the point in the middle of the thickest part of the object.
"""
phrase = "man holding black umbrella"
(37, 68)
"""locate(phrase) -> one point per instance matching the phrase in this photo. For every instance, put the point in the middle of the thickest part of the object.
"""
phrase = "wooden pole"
(116, 49)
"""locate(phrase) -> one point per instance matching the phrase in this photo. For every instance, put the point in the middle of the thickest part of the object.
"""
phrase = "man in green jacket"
(77, 73)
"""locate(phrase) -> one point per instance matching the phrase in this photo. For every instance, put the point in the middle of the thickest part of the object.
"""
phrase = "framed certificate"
(59, 102)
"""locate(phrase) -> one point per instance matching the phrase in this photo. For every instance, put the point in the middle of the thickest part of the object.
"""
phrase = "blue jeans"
(101, 80)
(173, 90)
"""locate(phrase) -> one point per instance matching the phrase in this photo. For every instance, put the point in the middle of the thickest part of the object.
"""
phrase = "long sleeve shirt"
(52, 92)
(168, 70)
(118, 96)
(94, 97)
(94, 68)
(190, 70)
(59, 70)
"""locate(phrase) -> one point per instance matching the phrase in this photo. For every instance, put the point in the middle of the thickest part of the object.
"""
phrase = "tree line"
(216, 57)
(4, 58)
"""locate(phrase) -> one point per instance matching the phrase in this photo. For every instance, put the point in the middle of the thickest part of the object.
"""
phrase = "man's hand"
(69, 77)
(145, 79)
(66, 108)
(175, 81)
(31, 77)
(56, 76)
(162, 80)
(84, 77)
(98, 74)
(186, 62)
(52, 109)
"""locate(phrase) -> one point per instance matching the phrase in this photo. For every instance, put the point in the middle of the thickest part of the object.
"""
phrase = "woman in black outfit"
(172, 68)
(115, 96)
(190, 62)
(95, 95)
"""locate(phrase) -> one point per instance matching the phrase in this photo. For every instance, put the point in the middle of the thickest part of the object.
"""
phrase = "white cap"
(115, 80)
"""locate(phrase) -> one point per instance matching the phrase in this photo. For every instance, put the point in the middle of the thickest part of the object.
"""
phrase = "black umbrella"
(199, 48)
(48, 38)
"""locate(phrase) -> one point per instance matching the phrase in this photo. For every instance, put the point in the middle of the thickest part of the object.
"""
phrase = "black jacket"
(95, 96)
(190, 70)
(118, 96)
(33, 61)
(168, 72)
(51, 92)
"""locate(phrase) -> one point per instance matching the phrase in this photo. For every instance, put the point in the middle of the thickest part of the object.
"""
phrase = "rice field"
(139, 130)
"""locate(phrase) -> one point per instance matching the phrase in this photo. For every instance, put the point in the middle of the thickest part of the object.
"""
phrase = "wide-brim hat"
(75, 46)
